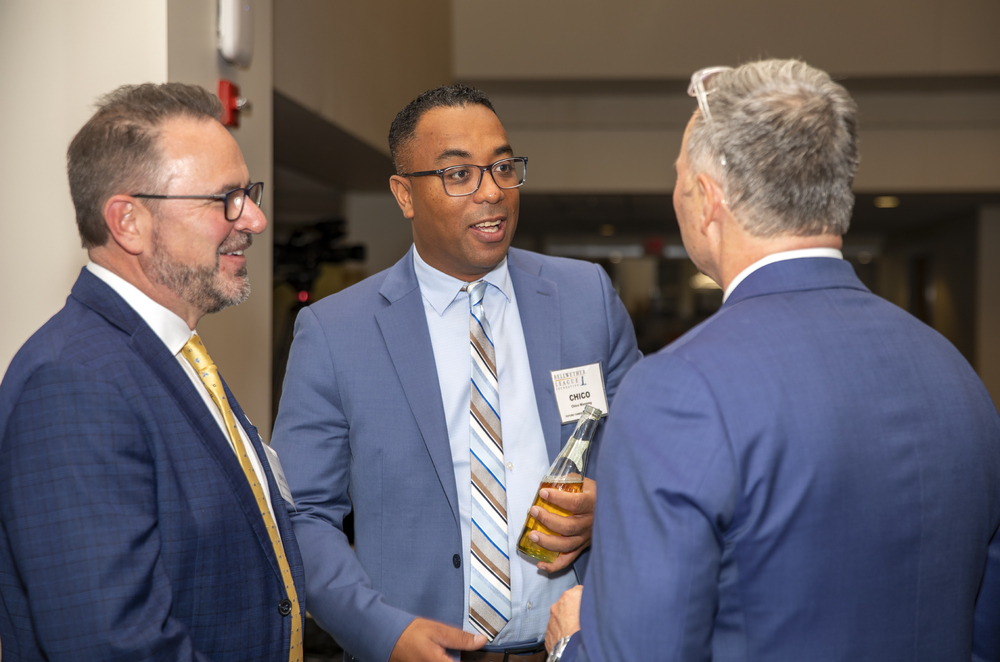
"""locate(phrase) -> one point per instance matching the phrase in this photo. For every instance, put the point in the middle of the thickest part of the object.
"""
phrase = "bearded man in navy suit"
(141, 518)
(812, 473)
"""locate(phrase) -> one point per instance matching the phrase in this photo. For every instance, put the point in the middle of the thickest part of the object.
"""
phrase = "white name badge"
(279, 474)
(578, 387)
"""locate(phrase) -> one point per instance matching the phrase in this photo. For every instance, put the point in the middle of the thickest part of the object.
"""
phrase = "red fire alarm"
(232, 103)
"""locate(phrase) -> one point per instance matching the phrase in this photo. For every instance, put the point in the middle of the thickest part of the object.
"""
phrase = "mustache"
(238, 243)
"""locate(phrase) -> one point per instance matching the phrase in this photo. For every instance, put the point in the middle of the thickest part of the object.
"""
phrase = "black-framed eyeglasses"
(462, 180)
(233, 200)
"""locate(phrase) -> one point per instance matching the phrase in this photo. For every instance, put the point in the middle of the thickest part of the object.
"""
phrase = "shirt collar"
(166, 324)
(778, 257)
(441, 290)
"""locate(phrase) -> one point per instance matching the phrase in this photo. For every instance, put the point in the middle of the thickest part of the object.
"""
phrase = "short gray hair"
(782, 142)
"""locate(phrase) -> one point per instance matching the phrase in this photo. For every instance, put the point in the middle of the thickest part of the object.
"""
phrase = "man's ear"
(400, 187)
(712, 198)
(123, 216)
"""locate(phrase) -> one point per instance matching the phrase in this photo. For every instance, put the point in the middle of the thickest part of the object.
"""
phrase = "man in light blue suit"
(140, 518)
(375, 410)
(810, 474)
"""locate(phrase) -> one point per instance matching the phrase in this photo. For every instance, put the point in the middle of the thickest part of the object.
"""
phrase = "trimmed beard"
(201, 287)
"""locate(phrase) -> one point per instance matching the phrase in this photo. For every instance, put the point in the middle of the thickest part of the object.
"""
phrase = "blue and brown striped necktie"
(489, 593)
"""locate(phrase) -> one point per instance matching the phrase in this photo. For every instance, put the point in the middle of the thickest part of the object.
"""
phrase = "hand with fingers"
(425, 640)
(574, 529)
(564, 617)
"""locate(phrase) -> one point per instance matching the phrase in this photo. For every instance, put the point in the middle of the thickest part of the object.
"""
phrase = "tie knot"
(195, 353)
(477, 291)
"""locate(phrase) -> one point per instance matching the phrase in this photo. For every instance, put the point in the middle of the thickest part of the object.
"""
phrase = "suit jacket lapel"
(97, 295)
(538, 305)
(281, 517)
(147, 345)
(403, 324)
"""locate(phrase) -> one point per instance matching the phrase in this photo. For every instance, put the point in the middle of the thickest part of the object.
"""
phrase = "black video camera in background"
(298, 261)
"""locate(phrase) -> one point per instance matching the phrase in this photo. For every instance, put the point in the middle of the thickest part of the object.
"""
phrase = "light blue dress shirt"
(532, 591)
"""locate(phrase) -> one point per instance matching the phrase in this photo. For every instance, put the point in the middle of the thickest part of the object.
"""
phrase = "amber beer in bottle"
(565, 475)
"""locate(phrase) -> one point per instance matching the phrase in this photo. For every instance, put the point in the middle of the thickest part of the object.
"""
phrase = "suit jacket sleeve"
(313, 437)
(667, 494)
(986, 640)
(621, 354)
(78, 499)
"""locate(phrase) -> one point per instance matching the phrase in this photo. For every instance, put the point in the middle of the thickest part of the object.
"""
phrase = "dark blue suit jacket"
(129, 531)
(362, 425)
(811, 474)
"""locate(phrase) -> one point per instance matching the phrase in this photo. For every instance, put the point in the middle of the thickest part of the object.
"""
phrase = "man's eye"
(460, 175)
(502, 168)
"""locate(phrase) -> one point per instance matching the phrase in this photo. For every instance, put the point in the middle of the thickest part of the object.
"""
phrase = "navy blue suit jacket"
(129, 531)
(362, 425)
(811, 474)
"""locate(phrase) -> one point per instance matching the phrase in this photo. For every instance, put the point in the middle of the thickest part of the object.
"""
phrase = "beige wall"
(988, 301)
(56, 58)
(90, 49)
(594, 39)
(946, 160)
(240, 337)
(629, 61)
(375, 220)
(357, 63)
(946, 141)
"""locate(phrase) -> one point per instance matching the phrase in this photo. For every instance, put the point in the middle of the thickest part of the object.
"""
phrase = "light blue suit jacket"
(362, 424)
(811, 474)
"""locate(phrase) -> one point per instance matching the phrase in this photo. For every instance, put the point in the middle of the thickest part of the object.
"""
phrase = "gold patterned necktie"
(195, 354)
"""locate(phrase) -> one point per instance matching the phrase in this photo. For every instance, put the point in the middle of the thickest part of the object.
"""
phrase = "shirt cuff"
(565, 649)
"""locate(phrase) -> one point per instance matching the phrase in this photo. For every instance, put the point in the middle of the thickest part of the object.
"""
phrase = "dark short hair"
(405, 125)
(788, 136)
(116, 151)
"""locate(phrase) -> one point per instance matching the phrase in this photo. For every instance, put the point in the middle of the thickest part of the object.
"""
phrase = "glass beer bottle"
(565, 475)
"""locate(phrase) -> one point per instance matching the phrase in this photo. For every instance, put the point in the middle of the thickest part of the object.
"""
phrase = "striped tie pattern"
(196, 354)
(489, 593)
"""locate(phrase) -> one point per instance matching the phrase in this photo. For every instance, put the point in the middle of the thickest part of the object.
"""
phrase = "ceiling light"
(886, 202)
(607, 230)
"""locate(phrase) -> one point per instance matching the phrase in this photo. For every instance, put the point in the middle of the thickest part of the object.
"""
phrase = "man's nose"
(488, 189)
(252, 219)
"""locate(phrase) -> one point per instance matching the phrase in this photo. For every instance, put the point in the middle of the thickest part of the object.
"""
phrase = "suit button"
(456, 561)
(285, 607)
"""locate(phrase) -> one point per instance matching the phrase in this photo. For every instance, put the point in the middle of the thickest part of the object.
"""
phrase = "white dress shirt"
(778, 257)
(532, 591)
(174, 333)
